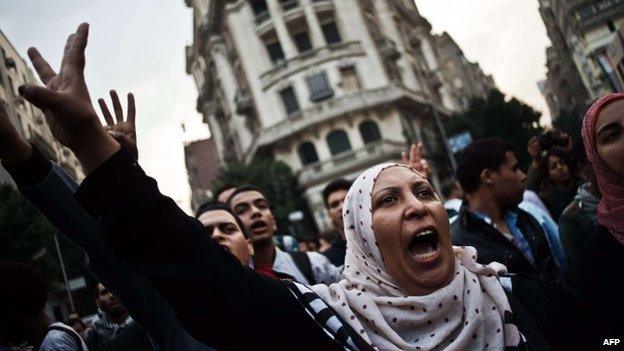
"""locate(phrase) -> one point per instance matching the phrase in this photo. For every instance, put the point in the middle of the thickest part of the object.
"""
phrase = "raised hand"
(122, 131)
(13, 147)
(535, 150)
(66, 103)
(416, 159)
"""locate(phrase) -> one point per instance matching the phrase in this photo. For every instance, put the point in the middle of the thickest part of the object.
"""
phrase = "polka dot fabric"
(468, 314)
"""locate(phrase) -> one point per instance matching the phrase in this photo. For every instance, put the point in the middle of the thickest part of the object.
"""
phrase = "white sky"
(138, 46)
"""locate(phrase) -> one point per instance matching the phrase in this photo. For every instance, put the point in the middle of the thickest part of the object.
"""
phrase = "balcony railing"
(350, 161)
(332, 108)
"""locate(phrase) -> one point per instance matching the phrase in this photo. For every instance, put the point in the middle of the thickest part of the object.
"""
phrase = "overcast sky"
(138, 46)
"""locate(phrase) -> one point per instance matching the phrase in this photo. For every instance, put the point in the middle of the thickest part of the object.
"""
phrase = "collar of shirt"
(516, 236)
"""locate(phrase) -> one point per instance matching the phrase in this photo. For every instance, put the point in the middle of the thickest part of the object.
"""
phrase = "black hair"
(220, 206)
(218, 191)
(242, 189)
(448, 186)
(481, 154)
(335, 185)
(23, 290)
(329, 235)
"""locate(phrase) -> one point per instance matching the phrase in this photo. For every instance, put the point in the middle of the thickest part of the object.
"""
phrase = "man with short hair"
(253, 208)
(334, 195)
(111, 320)
(490, 219)
(23, 296)
(491, 222)
(227, 229)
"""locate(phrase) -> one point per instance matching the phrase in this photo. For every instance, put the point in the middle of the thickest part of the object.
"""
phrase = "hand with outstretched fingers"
(416, 159)
(13, 147)
(66, 103)
(122, 131)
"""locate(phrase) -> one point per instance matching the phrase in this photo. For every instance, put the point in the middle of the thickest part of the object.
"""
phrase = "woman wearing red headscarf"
(603, 276)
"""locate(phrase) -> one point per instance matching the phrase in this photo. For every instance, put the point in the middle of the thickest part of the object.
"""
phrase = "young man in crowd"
(491, 222)
(334, 195)
(252, 207)
(227, 229)
(23, 296)
(111, 320)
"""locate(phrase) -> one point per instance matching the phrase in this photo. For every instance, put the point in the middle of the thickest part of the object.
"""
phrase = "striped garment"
(331, 323)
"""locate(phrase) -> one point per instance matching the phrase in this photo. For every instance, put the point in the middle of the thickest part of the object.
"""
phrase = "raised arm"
(218, 301)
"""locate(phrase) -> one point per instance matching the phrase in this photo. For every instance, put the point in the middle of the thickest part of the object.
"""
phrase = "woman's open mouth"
(424, 246)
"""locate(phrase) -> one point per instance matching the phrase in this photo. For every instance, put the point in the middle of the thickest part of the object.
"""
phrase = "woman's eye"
(611, 135)
(424, 194)
(388, 200)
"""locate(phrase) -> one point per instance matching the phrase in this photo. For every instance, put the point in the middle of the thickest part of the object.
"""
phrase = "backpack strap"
(69, 331)
(302, 261)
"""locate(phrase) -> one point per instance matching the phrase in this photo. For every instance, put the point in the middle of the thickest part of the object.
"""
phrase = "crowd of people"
(502, 260)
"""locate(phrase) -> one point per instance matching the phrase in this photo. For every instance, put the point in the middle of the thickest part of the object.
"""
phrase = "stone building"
(28, 119)
(202, 164)
(466, 79)
(330, 87)
(579, 69)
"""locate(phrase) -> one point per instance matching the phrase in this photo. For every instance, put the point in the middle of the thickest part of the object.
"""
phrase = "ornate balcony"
(309, 59)
(388, 49)
(337, 107)
(350, 161)
(243, 101)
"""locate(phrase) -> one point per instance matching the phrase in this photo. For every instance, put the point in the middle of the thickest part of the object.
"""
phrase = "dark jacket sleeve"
(217, 300)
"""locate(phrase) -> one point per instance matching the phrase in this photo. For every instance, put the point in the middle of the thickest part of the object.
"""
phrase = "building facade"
(330, 87)
(579, 69)
(202, 164)
(28, 119)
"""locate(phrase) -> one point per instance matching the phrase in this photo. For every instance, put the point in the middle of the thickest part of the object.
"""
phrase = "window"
(330, 32)
(319, 87)
(338, 142)
(307, 153)
(259, 7)
(350, 81)
(290, 100)
(275, 52)
(369, 132)
(302, 40)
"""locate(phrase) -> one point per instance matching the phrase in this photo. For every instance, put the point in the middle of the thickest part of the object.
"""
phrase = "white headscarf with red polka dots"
(467, 314)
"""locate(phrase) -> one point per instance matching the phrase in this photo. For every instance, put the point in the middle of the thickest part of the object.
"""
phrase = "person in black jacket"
(491, 221)
(404, 284)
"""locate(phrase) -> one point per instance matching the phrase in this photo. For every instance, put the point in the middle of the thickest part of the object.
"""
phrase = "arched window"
(369, 132)
(338, 142)
(307, 153)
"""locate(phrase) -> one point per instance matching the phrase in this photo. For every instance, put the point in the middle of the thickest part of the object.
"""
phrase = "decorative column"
(316, 34)
(288, 46)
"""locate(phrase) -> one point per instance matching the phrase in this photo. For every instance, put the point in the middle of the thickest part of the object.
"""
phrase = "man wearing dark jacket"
(334, 194)
(491, 222)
